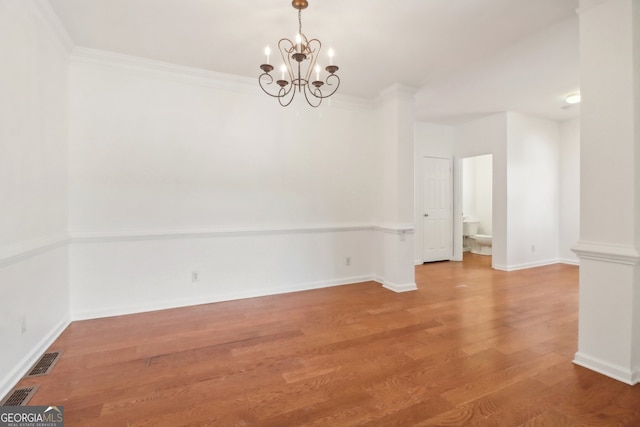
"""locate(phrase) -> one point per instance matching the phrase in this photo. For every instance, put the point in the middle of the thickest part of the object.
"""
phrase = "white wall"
(172, 171)
(468, 171)
(128, 274)
(533, 194)
(609, 321)
(393, 125)
(477, 191)
(526, 185)
(33, 187)
(569, 190)
(155, 150)
(431, 140)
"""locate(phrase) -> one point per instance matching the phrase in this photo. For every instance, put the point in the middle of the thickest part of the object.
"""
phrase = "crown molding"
(191, 75)
(196, 76)
(587, 5)
(44, 12)
(396, 91)
(348, 102)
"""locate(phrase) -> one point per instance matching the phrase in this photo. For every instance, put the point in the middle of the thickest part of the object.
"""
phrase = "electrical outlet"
(533, 248)
(195, 276)
(347, 261)
(23, 325)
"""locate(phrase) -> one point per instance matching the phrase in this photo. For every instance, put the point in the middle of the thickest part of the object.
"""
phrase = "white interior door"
(437, 212)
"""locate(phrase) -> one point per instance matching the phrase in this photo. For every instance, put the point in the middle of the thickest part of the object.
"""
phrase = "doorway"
(477, 203)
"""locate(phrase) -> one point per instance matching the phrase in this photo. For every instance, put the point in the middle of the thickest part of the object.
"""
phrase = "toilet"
(480, 244)
(477, 243)
(469, 228)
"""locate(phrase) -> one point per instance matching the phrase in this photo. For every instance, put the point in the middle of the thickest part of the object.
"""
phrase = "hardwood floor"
(473, 346)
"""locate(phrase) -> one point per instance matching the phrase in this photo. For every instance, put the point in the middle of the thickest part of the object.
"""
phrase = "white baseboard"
(526, 265)
(627, 376)
(570, 261)
(400, 288)
(209, 299)
(16, 374)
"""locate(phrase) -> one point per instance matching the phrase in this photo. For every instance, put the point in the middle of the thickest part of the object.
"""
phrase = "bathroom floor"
(476, 260)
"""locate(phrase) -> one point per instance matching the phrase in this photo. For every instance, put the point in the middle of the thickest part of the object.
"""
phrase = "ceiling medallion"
(299, 67)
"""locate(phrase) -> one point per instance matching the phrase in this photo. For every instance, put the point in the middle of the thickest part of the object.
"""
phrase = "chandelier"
(299, 67)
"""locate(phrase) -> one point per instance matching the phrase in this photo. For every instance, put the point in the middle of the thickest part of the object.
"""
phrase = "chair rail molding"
(607, 252)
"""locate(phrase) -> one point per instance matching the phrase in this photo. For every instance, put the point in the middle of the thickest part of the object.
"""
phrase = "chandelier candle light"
(300, 64)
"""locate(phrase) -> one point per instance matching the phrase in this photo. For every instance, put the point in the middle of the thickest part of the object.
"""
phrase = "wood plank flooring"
(472, 347)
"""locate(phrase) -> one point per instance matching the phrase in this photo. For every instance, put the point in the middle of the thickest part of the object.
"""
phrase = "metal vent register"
(19, 396)
(45, 364)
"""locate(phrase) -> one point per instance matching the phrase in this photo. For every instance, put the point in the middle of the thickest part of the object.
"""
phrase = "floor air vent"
(19, 396)
(44, 365)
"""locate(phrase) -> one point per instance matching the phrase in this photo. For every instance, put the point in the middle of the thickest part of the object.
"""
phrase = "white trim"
(407, 287)
(120, 236)
(395, 91)
(587, 5)
(183, 73)
(43, 10)
(348, 102)
(570, 262)
(607, 252)
(377, 279)
(627, 376)
(196, 76)
(16, 374)
(395, 228)
(218, 297)
(31, 248)
(526, 265)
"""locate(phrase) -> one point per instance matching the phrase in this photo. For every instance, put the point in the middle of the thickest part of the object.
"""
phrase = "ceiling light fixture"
(299, 66)
(574, 98)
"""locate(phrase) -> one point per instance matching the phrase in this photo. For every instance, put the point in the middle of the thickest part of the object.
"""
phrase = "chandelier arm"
(269, 81)
(300, 82)
(311, 42)
(313, 54)
(282, 95)
(317, 92)
(282, 92)
(328, 81)
(285, 53)
(307, 89)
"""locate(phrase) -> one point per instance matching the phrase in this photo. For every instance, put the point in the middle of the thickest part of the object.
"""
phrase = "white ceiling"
(466, 57)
